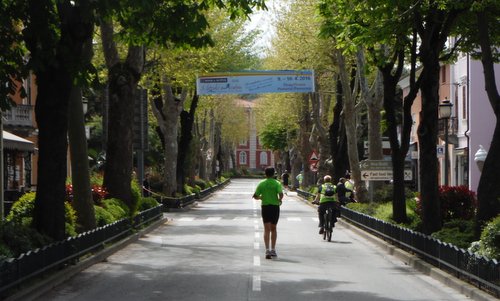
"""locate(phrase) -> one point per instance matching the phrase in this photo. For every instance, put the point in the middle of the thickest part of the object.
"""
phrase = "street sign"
(313, 167)
(381, 170)
(313, 157)
(383, 175)
(440, 151)
(380, 165)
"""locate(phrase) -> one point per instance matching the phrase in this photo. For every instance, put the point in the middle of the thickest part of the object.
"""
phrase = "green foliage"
(16, 239)
(117, 208)
(136, 196)
(457, 232)
(200, 183)
(22, 210)
(489, 245)
(147, 203)
(366, 208)
(22, 213)
(273, 136)
(384, 194)
(102, 216)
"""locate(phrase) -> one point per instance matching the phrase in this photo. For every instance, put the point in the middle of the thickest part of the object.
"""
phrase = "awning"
(13, 142)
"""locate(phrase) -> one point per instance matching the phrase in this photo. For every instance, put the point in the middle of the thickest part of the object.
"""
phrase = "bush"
(200, 183)
(489, 245)
(147, 203)
(102, 216)
(384, 193)
(457, 202)
(365, 208)
(117, 208)
(22, 213)
(457, 232)
(16, 239)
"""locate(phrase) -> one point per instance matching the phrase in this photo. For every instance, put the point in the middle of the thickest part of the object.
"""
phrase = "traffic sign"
(383, 175)
(380, 165)
(313, 167)
(313, 157)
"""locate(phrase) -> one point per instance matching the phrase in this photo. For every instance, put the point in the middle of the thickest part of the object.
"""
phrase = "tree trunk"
(350, 125)
(166, 107)
(305, 145)
(55, 80)
(51, 109)
(488, 191)
(427, 136)
(338, 139)
(123, 79)
(82, 191)
(187, 121)
(82, 194)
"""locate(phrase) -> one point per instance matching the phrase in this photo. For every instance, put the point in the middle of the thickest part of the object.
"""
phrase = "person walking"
(342, 191)
(270, 192)
(326, 198)
(285, 177)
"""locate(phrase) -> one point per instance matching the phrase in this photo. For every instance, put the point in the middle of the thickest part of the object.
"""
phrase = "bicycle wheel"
(326, 225)
(329, 223)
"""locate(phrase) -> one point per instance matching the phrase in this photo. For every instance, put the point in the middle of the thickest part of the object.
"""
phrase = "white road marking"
(256, 245)
(186, 219)
(256, 283)
(256, 260)
(241, 218)
(293, 219)
(315, 219)
(257, 235)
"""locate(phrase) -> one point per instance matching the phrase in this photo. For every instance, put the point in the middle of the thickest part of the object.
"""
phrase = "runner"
(270, 192)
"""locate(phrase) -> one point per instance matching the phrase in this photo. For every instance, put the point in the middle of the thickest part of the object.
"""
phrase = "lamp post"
(480, 157)
(445, 113)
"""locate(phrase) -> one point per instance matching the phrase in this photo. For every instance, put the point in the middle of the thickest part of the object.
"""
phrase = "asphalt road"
(215, 252)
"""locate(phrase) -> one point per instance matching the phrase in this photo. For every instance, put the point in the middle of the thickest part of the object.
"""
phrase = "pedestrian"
(270, 192)
(326, 198)
(342, 191)
(284, 177)
(300, 178)
(349, 185)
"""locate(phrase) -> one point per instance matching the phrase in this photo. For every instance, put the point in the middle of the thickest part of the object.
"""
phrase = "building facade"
(470, 126)
(249, 153)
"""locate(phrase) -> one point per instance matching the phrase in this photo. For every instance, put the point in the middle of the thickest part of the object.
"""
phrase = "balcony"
(19, 116)
(452, 129)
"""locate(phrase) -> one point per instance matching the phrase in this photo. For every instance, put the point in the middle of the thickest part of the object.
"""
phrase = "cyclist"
(326, 198)
(270, 192)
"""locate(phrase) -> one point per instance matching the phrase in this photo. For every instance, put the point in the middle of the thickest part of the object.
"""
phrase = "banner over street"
(256, 82)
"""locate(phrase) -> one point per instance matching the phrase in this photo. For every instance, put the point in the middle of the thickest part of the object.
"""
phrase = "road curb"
(44, 285)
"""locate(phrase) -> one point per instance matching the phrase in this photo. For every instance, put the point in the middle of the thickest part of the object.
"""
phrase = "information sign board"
(254, 82)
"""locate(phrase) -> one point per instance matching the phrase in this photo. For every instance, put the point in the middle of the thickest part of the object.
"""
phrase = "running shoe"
(268, 254)
(273, 254)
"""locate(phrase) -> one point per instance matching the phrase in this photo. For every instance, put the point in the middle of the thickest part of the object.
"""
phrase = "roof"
(13, 142)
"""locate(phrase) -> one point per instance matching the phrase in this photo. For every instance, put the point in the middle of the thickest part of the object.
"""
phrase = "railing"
(185, 201)
(477, 270)
(19, 115)
(16, 271)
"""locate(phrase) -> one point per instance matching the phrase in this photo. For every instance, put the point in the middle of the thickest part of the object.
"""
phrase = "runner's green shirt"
(268, 190)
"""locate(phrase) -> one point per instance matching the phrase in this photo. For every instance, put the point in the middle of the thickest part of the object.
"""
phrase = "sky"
(263, 20)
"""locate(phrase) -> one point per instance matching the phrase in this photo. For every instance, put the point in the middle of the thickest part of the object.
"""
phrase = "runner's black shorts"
(270, 214)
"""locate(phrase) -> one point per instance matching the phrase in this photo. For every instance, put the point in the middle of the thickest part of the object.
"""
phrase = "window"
(263, 158)
(243, 142)
(243, 158)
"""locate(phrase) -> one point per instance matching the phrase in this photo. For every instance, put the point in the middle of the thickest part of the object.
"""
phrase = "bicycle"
(328, 224)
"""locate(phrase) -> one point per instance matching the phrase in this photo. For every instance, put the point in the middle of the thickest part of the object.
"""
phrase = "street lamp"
(480, 157)
(445, 113)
